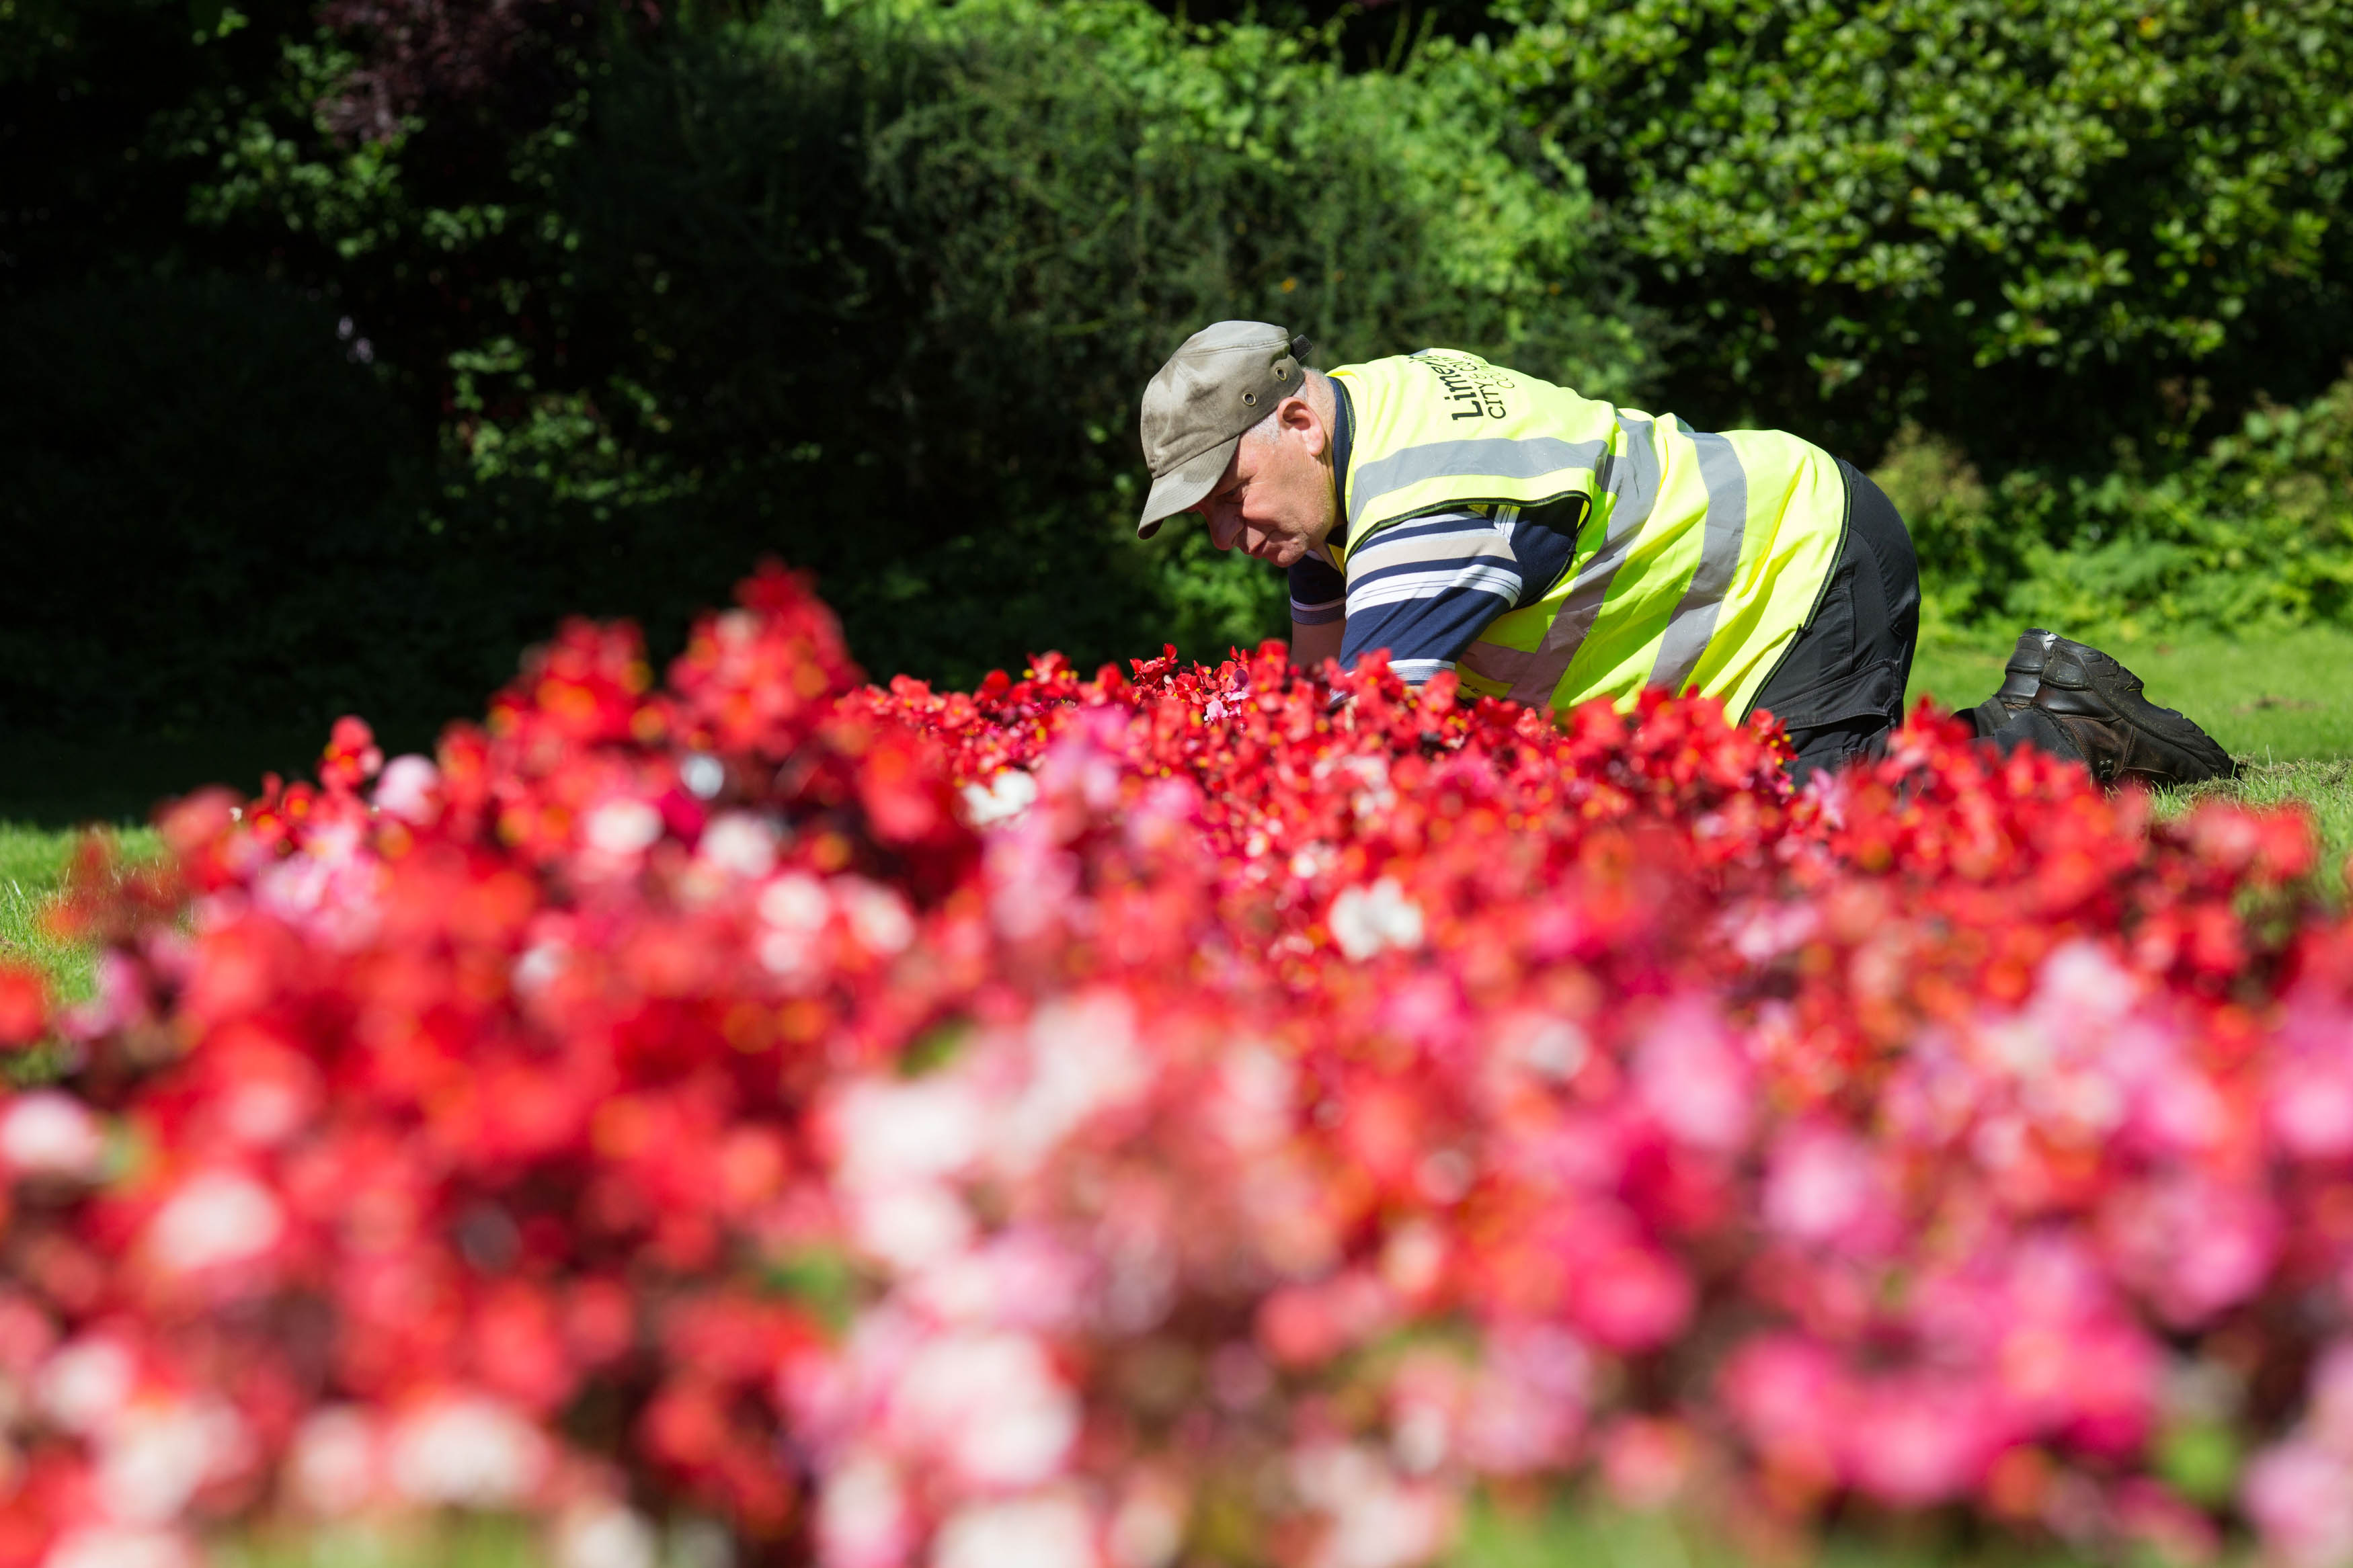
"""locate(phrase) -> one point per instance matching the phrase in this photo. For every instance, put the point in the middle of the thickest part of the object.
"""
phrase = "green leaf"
(2201, 1460)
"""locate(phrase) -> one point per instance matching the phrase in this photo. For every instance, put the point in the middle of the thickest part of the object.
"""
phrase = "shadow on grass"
(51, 782)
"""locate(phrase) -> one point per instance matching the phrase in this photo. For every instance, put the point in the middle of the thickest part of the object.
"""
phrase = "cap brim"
(1183, 486)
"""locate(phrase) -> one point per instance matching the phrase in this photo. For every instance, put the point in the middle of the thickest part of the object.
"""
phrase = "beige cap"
(1224, 380)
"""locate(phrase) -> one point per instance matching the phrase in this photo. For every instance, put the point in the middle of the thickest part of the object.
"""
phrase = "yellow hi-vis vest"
(1698, 556)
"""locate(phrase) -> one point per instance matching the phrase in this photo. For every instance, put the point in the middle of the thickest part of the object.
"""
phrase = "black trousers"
(1840, 688)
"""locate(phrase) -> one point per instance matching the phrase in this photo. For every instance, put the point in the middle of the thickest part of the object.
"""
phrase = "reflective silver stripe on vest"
(1631, 476)
(1725, 530)
(1529, 459)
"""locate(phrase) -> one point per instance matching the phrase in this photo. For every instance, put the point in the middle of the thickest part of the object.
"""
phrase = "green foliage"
(916, 265)
(871, 287)
(215, 437)
(2257, 529)
(2029, 227)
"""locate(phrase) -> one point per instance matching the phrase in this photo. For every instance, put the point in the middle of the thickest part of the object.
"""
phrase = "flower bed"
(1180, 1112)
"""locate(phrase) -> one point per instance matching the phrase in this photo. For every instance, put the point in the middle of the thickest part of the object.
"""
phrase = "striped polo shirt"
(1425, 587)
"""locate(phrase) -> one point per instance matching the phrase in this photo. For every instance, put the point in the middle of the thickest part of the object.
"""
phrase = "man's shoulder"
(1424, 358)
(1455, 375)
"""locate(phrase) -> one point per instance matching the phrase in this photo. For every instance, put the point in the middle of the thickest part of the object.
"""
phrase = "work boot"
(2018, 678)
(2119, 732)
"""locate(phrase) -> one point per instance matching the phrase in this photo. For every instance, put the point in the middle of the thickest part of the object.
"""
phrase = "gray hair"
(1266, 429)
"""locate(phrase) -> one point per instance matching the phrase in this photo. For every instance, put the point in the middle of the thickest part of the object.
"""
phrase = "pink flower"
(1693, 1077)
(1821, 1187)
(1912, 1440)
(2300, 1497)
(2194, 1245)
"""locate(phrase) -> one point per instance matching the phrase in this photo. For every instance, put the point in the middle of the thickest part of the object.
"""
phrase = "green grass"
(453, 1542)
(2285, 696)
(33, 862)
(1582, 1530)
(2281, 703)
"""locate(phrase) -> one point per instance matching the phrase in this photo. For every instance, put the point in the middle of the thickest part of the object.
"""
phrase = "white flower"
(623, 828)
(878, 916)
(47, 1133)
(1255, 1097)
(153, 1461)
(862, 1517)
(541, 963)
(605, 1535)
(333, 1464)
(85, 1384)
(1149, 1524)
(1365, 920)
(1053, 1531)
(1001, 799)
(703, 774)
(466, 1451)
(217, 1218)
(890, 1131)
(1556, 1048)
(796, 902)
(2082, 988)
(910, 1227)
(988, 1404)
(739, 842)
(795, 908)
(1376, 1519)
(113, 1546)
(1082, 1057)
(407, 787)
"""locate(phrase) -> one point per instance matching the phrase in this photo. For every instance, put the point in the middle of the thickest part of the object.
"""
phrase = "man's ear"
(1296, 414)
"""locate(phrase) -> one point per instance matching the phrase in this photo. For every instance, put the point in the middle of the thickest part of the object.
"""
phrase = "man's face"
(1275, 500)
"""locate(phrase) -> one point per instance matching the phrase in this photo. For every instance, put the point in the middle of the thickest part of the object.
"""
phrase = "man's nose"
(1225, 529)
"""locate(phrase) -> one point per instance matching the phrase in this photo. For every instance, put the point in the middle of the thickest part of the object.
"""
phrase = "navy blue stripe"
(1314, 582)
(1437, 627)
(1544, 541)
(1500, 561)
(1425, 526)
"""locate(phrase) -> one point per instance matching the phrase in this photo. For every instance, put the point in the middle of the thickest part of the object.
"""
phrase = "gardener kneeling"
(1553, 549)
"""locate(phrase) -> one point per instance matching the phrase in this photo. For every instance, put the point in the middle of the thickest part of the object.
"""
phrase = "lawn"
(33, 862)
(2281, 703)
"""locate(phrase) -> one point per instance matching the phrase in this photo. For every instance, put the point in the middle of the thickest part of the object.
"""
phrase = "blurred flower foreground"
(1180, 1115)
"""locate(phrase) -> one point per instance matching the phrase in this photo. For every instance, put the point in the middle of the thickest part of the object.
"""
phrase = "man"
(1553, 549)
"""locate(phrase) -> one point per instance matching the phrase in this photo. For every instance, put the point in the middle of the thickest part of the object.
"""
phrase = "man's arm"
(1319, 612)
(1424, 588)
(1312, 643)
